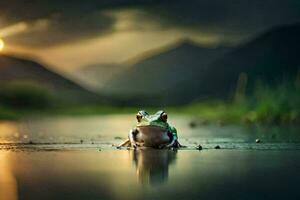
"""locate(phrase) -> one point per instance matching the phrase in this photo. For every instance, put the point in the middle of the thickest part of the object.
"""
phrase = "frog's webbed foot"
(125, 143)
(168, 146)
(174, 144)
(178, 145)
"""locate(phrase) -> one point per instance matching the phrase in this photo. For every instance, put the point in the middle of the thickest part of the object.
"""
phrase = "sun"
(1, 45)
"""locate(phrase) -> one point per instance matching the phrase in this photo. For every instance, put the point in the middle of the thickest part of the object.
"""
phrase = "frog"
(152, 131)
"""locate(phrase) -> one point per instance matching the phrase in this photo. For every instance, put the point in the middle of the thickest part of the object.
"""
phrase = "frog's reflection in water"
(152, 165)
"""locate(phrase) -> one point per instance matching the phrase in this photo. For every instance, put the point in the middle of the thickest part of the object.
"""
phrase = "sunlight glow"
(13, 29)
(8, 183)
(1, 44)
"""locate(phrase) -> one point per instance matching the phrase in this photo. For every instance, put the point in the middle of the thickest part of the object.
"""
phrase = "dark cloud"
(80, 19)
(16, 10)
(66, 20)
(61, 28)
(228, 16)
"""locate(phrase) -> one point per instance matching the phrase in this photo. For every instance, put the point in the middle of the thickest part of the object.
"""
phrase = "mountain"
(270, 57)
(13, 69)
(187, 72)
(96, 75)
(156, 72)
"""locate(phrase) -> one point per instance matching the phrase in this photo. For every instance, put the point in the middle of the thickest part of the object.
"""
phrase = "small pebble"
(257, 140)
(192, 124)
(199, 147)
(217, 147)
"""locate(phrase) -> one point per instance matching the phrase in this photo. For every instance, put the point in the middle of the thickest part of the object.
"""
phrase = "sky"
(68, 35)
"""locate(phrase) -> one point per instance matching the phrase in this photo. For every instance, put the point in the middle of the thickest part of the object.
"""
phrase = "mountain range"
(175, 74)
(186, 72)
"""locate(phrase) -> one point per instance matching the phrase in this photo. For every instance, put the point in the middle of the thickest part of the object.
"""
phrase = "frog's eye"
(164, 116)
(139, 117)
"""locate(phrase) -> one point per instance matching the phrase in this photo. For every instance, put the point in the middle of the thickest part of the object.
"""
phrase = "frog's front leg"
(173, 141)
(132, 137)
(172, 132)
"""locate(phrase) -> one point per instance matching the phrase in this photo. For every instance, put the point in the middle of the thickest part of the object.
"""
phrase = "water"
(72, 158)
(102, 131)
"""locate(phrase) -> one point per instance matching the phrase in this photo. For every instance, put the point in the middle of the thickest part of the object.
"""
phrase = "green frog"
(152, 131)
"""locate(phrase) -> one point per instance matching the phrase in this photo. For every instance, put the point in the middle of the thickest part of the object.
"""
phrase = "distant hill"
(96, 75)
(270, 57)
(157, 72)
(187, 72)
(14, 69)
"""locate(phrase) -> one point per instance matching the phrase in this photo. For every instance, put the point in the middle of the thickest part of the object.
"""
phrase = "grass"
(280, 105)
(8, 114)
(214, 111)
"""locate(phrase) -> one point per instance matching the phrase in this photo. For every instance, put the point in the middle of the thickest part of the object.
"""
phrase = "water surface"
(72, 158)
(213, 174)
(102, 131)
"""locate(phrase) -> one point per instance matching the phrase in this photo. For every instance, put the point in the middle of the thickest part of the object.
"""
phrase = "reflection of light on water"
(112, 174)
(8, 185)
(1, 44)
(8, 131)
(101, 173)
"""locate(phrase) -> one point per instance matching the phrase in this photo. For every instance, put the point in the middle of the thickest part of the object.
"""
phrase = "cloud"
(67, 21)
(45, 23)
(235, 17)
(56, 29)
(60, 29)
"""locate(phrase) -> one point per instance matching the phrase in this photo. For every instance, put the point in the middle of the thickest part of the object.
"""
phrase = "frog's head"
(159, 119)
